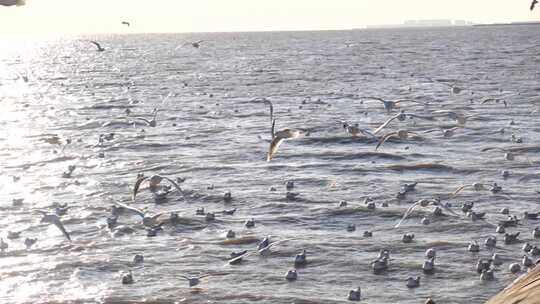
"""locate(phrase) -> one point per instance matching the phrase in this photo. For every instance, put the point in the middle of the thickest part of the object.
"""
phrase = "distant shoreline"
(509, 24)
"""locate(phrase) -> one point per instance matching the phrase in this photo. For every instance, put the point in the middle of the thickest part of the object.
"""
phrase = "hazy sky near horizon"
(104, 16)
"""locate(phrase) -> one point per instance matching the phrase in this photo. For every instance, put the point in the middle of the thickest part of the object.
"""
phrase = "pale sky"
(104, 16)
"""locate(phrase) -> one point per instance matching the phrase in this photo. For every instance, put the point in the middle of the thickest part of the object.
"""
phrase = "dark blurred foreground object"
(12, 2)
(533, 4)
(524, 290)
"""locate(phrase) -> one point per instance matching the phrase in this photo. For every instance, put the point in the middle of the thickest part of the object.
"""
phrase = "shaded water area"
(209, 132)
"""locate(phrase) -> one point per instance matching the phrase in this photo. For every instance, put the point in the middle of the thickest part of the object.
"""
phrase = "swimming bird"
(147, 220)
(194, 281)
(99, 48)
(54, 219)
(153, 182)
(29, 242)
(407, 237)
(400, 134)
(514, 268)
(291, 275)
(487, 275)
(126, 23)
(429, 266)
(127, 278)
(389, 105)
(533, 3)
(354, 295)
(300, 259)
(413, 282)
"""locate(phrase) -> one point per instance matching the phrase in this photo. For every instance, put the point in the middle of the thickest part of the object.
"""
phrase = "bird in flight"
(279, 137)
(126, 23)
(389, 105)
(153, 182)
(533, 4)
(147, 220)
(99, 48)
(195, 44)
(54, 219)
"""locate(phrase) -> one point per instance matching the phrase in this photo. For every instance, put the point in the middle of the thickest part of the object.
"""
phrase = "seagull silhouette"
(99, 48)
(153, 181)
(147, 220)
(279, 137)
(54, 219)
(126, 23)
(401, 134)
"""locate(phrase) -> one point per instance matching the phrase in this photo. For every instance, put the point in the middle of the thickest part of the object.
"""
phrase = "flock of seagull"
(154, 223)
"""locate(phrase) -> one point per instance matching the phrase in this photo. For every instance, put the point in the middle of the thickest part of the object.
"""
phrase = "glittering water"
(209, 132)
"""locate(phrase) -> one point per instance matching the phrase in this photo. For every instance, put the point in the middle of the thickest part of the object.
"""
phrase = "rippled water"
(209, 132)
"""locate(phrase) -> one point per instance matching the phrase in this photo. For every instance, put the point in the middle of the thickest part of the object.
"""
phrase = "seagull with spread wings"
(389, 105)
(401, 116)
(99, 48)
(400, 134)
(54, 219)
(153, 182)
(356, 131)
(147, 220)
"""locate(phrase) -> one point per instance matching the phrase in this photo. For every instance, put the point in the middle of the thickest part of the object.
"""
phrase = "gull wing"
(410, 100)
(373, 98)
(407, 213)
(60, 226)
(174, 184)
(245, 255)
(137, 185)
(385, 138)
(132, 209)
(386, 123)
(493, 148)
(96, 44)
(459, 189)
(274, 145)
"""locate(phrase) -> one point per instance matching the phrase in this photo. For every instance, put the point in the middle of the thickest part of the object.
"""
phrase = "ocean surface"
(210, 132)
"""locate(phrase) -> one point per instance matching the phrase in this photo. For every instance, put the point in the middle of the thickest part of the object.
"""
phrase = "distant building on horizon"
(424, 23)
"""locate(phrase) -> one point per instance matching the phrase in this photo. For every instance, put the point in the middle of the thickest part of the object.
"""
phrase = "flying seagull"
(126, 23)
(389, 105)
(54, 219)
(147, 220)
(12, 2)
(99, 48)
(279, 137)
(533, 4)
(153, 182)
(196, 44)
